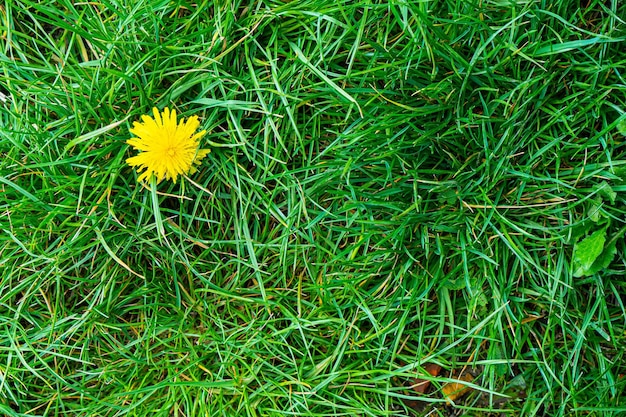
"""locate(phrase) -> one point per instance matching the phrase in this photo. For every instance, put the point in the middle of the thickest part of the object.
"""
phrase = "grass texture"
(391, 184)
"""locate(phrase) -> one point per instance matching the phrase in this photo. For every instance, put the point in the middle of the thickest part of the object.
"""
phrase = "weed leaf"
(621, 127)
(587, 251)
(605, 191)
(604, 259)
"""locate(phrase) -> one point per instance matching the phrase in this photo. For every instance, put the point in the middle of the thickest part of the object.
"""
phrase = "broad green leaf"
(577, 231)
(593, 209)
(587, 251)
(621, 127)
(620, 174)
(454, 284)
(607, 255)
(516, 388)
(449, 196)
(605, 191)
(604, 259)
(501, 366)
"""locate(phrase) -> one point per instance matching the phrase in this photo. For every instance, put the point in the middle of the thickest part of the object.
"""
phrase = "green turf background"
(390, 184)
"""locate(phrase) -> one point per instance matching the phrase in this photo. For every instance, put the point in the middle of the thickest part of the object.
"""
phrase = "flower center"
(171, 152)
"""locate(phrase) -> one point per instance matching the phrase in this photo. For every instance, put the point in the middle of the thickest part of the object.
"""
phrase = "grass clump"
(390, 185)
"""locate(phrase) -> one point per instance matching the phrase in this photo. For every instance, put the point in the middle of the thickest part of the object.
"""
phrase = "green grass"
(390, 184)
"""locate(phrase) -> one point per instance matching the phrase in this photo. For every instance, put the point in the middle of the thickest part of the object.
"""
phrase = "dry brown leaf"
(452, 391)
(421, 385)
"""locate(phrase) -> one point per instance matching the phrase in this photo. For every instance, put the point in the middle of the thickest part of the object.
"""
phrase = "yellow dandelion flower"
(167, 148)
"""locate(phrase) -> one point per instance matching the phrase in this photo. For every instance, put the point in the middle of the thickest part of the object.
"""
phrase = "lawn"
(410, 208)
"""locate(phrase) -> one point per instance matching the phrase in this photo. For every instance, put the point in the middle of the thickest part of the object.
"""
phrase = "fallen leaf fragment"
(421, 385)
(452, 391)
